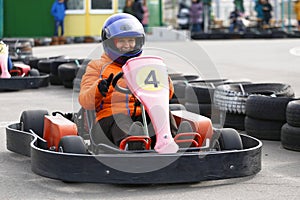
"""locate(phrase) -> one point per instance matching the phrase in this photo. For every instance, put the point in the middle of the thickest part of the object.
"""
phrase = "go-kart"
(20, 76)
(61, 145)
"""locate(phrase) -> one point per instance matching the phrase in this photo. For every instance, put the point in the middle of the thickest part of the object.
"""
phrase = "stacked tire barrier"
(232, 98)
(290, 131)
(199, 96)
(62, 70)
(265, 115)
(180, 82)
(69, 65)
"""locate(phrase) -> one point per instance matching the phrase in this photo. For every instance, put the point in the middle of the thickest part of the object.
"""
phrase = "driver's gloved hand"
(104, 84)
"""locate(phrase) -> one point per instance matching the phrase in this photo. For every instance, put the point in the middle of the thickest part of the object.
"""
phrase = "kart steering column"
(147, 79)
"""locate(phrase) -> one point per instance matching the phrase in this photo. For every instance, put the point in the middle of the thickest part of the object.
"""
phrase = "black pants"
(113, 129)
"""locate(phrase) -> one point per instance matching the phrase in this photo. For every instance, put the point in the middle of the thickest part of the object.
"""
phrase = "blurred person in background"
(236, 21)
(138, 11)
(267, 9)
(58, 10)
(128, 7)
(145, 21)
(259, 13)
(297, 12)
(196, 13)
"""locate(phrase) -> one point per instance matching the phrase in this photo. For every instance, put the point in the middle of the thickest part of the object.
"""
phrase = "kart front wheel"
(226, 139)
(230, 139)
(72, 144)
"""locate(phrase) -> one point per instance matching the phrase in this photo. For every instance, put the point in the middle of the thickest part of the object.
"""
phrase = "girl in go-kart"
(123, 38)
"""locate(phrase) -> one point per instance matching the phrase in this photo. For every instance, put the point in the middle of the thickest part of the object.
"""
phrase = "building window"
(101, 6)
(75, 6)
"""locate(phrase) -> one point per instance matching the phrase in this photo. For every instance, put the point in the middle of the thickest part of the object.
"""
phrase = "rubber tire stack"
(265, 116)
(32, 61)
(67, 73)
(54, 77)
(180, 82)
(290, 132)
(199, 96)
(44, 65)
(231, 99)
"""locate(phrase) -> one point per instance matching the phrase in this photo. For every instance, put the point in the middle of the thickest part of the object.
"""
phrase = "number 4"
(151, 79)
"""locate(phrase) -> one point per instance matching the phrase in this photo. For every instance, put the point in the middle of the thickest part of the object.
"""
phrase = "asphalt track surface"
(254, 60)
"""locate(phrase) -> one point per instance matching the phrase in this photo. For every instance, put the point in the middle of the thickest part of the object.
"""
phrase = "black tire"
(190, 77)
(267, 108)
(54, 79)
(67, 71)
(179, 89)
(68, 84)
(215, 82)
(230, 139)
(33, 61)
(45, 65)
(78, 39)
(174, 107)
(234, 120)
(202, 109)
(34, 72)
(33, 119)
(290, 137)
(233, 97)
(72, 144)
(176, 76)
(263, 129)
(57, 62)
(201, 93)
(293, 113)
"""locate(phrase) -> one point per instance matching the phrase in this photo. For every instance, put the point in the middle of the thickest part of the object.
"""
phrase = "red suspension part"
(194, 139)
(145, 139)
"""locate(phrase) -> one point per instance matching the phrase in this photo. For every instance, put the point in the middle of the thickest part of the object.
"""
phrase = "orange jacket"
(115, 102)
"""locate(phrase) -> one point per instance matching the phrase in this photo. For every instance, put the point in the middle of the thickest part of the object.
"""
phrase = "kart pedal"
(185, 127)
(136, 139)
(191, 139)
(136, 129)
(186, 136)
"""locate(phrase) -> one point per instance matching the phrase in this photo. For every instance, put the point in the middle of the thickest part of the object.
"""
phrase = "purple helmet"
(122, 25)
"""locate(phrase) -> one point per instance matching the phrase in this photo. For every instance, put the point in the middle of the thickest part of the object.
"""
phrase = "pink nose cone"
(3, 65)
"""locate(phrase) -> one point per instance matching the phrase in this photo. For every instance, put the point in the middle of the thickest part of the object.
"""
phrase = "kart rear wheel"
(230, 140)
(72, 144)
(33, 119)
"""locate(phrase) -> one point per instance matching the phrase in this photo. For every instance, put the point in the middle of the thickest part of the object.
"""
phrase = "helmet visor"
(125, 28)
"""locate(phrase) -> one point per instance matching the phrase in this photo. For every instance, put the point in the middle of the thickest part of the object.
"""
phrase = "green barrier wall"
(1, 18)
(27, 18)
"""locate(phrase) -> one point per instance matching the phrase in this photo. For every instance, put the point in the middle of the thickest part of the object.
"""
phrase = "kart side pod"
(56, 127)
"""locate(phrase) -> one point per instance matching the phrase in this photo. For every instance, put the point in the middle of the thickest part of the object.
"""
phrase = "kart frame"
(107, 164)
(193, 165)
(26, 82)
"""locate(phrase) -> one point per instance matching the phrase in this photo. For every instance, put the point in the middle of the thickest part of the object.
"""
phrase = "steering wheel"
(118, 87)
